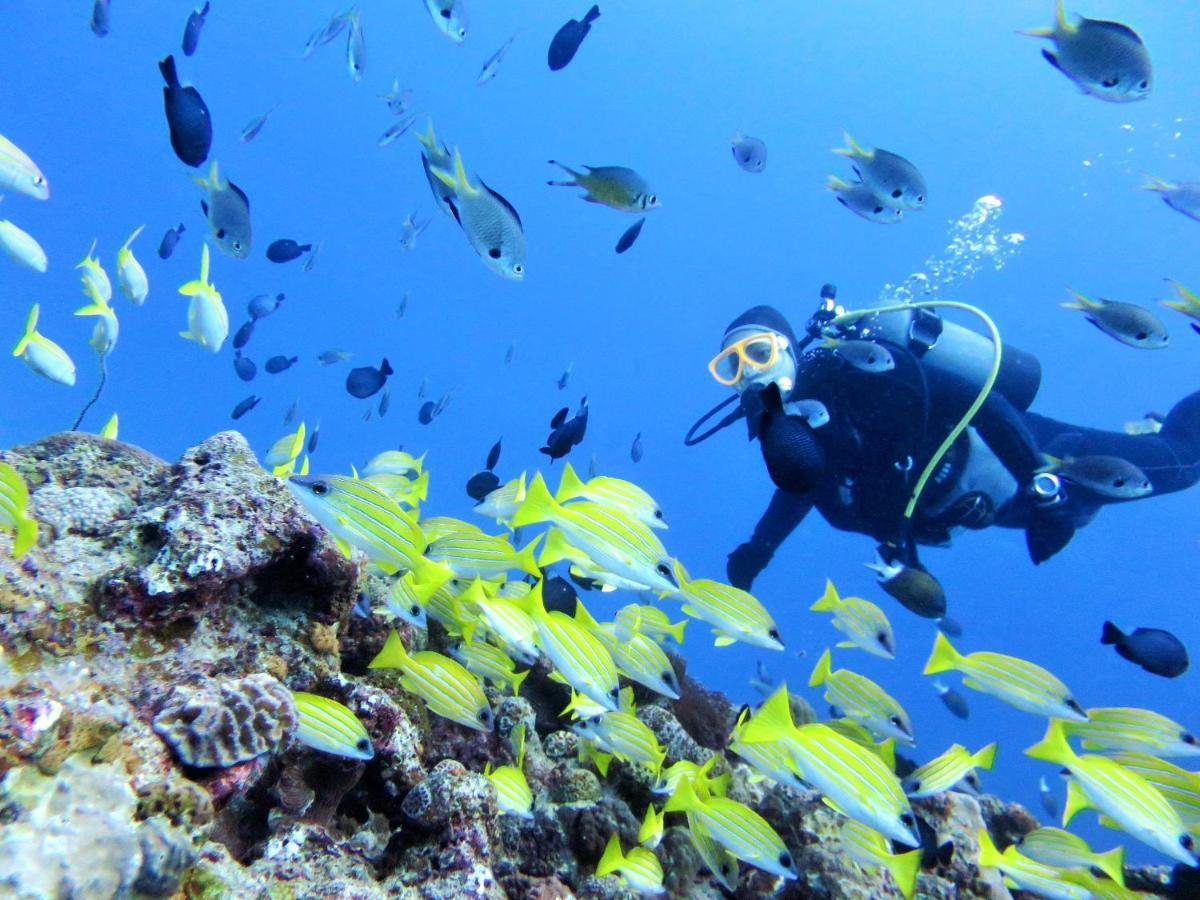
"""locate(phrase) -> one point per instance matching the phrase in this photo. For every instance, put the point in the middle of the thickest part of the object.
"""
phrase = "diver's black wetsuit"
(860, 468)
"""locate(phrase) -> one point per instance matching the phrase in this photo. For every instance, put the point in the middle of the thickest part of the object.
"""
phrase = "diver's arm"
(1003, 428)
(785, 511)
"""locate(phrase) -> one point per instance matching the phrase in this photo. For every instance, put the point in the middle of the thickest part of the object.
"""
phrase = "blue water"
(660, 88)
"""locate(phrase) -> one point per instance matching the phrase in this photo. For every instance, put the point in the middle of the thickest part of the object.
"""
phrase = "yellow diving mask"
(757, 351)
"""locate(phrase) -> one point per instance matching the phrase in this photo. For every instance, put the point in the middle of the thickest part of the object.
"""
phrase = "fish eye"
(1188, 738)
(319, 488)
(615, 693)
(668, 678)
(363, 745)
(895, 720)
(652, 200)
(485, 716)
(785, 860)
(774, 633)
(518, 269)
(1185, 841)
(415, 610)
(494, 252)
(897, 192)
(462, 32)
(658, 514)
(907, 819)
(663, 569)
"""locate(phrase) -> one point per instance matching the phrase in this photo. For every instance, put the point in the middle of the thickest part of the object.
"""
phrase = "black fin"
(504, 203)
(559, 417)
(167, 67)
(1046, 538)
(237, 190)
(1053, 60)
(204, 207)
(1116, 28)
(1111, 634)
(1195, 327)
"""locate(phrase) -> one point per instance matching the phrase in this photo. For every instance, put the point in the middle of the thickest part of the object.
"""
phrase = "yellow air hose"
(988, 384)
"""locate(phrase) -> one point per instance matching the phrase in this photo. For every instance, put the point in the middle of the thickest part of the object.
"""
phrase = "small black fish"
(263, 305)
(560, 417)
(567, 39)
(426, 413)
(312, 439)
(1157, 651)
(187, 117)
(243, 335)
(493, 456)
(565, 376)
(510, 353)
(557, 594)
(285, 250)
(99, 23)
(245, 368)
(916, 589)
(167, 245)
(277, 364)
(953, 700)
(291, 412)
(366, 381)
(191, 31)
(566, 433)
(385, 403)
(635, 449)
(245, 406)
(949, 626)
(481, 484)
(1049, 800)
(630, 235)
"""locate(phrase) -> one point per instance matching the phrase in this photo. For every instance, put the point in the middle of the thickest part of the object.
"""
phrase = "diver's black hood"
(766, 317)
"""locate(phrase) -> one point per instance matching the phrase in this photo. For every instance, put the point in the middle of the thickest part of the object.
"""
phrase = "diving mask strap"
(691, 439)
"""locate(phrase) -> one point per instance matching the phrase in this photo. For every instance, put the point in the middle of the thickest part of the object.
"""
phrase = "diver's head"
(759, 349)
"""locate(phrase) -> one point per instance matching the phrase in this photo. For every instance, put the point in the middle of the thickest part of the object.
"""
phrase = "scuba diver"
(903, 426)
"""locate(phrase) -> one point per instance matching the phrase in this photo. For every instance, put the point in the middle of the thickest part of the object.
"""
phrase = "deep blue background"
(660, 88)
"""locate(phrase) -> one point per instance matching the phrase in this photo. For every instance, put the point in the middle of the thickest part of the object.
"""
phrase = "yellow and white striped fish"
(513, 794)
(861, 698)
(855, 781)
(20, 173)
(769, 759)
(489, 663)
(1129, 728)
(651, 831)
(720, 862)
(1056, 847)
(1123, 796)
(871, 850)
(638, 657)
(437, 527)
(686, 770)
(639, 868)
(408, 598)
(613, 540)
(648, 620)
(737, 828)
(1026, 874)
(362, 516)
(1019, 683)
(447, 688)
(944, 772)
(580, 658)
(512, 627)
(625, 736)
(501, 503)
(330, 727)
(865, 625)
(734, 614)
(402, 488)
(14, 511)
(394, 462)
(621, 495)
(282, 456)
(854, 730)
(1178, 785)
(483, 555)
(22, 247)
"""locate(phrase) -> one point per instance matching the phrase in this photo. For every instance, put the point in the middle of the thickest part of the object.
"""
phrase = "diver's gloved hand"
(794, 459)
(746, 561)
(753, 409)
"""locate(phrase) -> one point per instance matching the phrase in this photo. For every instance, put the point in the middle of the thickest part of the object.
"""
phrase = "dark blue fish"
(949, 626)
(385, 403)
(635, 449)
(566, 41)
(493, 456)
(264, 304)
(191, 31)
(630, 235)
(481, 484)
(1157, 651)
(277, 364)
(953, 701)
(187, 117)
(285, 250)
(243, 335)
(245, 367)
(312, 439)
(99, 21)
(557, 594)
(426, 413)
(566, 433)
(245, 406)
(167, 245)
(366, 381)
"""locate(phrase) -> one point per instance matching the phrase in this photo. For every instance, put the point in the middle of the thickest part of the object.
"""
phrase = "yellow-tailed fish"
(447, 688)
(490, 223)
(637, 657)
(864, 624)
(489, 663)
(737, 828)
(582, 707)
(483, 555)
(625, 736)
(1056, 847)
(947, 770)
(639, 868)
(734, 614)
(42, 355)
(130, 274)
(22, 247)
(1130, 728)
(513, 795)
(1123, 796)
(447, 608)
(614, 541)
(395, 462)
(404, 488)
(720, 862)
(208, 321)
(686, 770)
(280, 459)
(651, 831)
(648, 620)
(95, 279)
(617, 187)
(1102, 888)
(111, 428)
(19, 173)
(227, 210)
(407, 598)
(14, 511)
(871, 850)
(107, 328)
(512, 626)
(437, 527)
(1018, 683)
(513, 589)
(358, 515)
(1188, 303)
(854, 780)
(1178, 785)
(501, 503)
(580, 658)
(330, 727)
(769, 759)
(617, 493)
(1022, 872)
(857, 732)
(861, 698)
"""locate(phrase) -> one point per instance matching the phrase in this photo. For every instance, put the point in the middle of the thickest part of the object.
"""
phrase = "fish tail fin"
(585, 618)
(989, 856)
(111, 428)
(538, 505)
(129, 240)
(575, 176)
(592, 14)
(1077, 802)
(167, 68)
(462, 184)
(1053, 747)
(676, 631)
(944, 657)
(392, 656)
(1112, 864)
(26, 536)
(852, 150)
(533, 602)
(1080, 301)
(87, 260)
(823, 669)
(555, 548)
(527, 561)
(886, 750)
(428, 140)
(683, 798)
(517, 680)
(1110, 634)
(204, 254)
(569, 485)
(1158, 185)
(30, 330)
(904, 868)
(984, 757)
(95, 308)
(772, 721)
(1061, 22)
(829, 601)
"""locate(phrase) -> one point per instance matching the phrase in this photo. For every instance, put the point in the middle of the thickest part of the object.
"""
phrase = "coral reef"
(145, 729)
